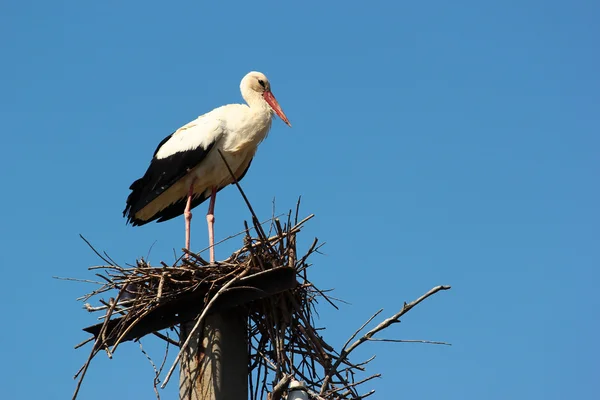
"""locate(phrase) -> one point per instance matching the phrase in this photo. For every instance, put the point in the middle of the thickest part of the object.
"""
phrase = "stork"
(187, 169)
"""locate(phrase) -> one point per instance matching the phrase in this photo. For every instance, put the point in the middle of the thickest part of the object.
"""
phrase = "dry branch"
(283, 340)
(367, 336)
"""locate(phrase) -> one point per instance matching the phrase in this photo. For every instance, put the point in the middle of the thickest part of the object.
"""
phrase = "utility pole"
(215, 364)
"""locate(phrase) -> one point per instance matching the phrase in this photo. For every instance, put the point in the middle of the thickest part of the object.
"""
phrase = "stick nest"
(284, 344)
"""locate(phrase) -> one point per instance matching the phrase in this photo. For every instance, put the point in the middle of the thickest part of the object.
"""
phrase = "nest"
(268, 280)
(283, 340)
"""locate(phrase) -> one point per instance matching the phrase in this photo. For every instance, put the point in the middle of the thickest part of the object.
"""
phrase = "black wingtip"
(133, 203)
(131, 219)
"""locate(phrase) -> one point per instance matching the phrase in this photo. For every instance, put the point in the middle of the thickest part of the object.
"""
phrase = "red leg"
(188, 217)
(210, 218)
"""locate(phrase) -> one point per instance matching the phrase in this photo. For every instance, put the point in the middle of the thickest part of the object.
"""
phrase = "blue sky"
(437, 143)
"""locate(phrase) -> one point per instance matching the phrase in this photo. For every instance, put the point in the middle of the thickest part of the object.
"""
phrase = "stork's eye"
(262, 83)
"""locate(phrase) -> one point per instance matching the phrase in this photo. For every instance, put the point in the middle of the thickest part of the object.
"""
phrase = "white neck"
(256, 101)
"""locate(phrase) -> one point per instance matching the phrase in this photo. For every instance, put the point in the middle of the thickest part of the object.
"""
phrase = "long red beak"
(272, 101)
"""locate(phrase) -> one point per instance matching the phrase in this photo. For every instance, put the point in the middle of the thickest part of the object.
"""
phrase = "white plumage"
(187, 168)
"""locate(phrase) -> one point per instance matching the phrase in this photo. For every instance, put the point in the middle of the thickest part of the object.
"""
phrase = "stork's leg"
(210, 218)
(188, 217)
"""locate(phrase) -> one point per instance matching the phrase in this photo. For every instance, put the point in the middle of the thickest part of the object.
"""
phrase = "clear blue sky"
(437, 143)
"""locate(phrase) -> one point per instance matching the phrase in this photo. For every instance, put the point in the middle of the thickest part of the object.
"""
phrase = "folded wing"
(175, 157)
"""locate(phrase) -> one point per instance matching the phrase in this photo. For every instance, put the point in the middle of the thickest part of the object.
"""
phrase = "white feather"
(201, 132)
(235, 129)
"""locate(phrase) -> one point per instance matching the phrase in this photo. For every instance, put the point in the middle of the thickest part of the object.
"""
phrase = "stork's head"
(255, 87)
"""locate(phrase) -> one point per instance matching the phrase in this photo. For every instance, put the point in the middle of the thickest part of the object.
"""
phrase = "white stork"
(186, 168)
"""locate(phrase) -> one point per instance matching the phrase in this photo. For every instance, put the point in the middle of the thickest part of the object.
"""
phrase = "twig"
(156, 373)
(408, 341)
(77, 280)
(361, 328)
(386, 323)
(86, 341)
(95, 348)
(94, 250)
(354, 384)
(259, 229)
(239, 233)
(281, 386)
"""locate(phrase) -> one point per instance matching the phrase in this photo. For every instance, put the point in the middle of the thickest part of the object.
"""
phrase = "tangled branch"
(269, 281)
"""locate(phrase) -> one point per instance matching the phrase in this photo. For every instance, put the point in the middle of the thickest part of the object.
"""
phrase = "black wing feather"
(160, 176)
(178, 208)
